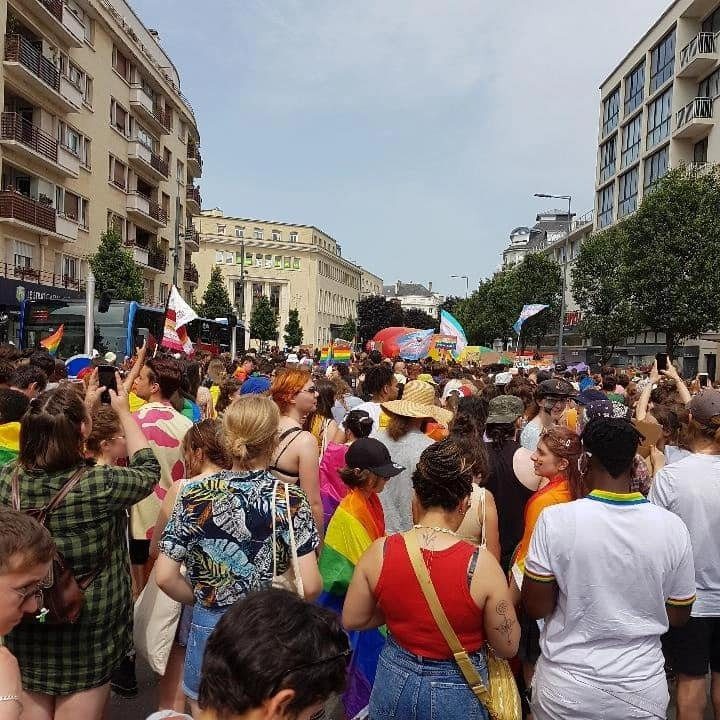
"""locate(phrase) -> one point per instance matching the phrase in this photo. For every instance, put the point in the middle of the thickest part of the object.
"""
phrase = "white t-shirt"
(617, 560)
(376, 413)
(690, 488)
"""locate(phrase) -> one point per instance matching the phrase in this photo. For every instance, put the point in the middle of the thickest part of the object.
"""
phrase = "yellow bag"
(501, 699)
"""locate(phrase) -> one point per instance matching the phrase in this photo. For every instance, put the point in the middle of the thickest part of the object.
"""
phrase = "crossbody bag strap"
(483, 518)
(75, 478)
(15, 488)
(295, 564)
(274, 527)
(469, 671)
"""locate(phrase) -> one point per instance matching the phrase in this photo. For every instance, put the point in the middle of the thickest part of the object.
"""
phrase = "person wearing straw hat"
(405, 439)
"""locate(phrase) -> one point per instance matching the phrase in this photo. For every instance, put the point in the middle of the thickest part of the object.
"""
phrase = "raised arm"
(644, 399)
(682, 389)
(136, 368)
(134, 438)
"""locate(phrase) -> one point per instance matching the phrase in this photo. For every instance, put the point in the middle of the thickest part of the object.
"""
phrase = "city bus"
(119, 330)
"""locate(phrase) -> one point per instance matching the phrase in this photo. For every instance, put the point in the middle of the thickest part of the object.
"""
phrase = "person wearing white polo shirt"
(608, 574)
(690, 488)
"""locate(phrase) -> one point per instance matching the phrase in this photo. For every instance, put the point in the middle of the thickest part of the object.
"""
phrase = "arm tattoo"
(506, 626)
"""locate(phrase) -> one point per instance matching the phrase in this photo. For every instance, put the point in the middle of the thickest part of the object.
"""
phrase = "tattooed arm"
(490, 590)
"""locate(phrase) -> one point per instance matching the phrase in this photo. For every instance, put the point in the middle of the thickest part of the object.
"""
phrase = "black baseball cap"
(370, 454)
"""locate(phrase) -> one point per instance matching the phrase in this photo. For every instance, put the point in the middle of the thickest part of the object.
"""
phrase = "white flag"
(183, 312)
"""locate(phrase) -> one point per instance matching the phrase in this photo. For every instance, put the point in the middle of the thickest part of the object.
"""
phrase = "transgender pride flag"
(449, 325)
(415, 345)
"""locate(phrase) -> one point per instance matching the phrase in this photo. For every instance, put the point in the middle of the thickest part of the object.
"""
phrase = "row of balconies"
(20, 210)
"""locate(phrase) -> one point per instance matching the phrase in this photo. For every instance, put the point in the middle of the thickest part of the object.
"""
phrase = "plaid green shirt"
(90, 530)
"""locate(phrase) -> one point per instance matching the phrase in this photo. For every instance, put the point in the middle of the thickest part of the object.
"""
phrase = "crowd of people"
(278, 538)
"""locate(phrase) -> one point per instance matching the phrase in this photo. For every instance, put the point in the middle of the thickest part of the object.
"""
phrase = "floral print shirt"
(222, 529)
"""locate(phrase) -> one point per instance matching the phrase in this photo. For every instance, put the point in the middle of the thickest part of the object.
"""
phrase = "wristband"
(10, 698)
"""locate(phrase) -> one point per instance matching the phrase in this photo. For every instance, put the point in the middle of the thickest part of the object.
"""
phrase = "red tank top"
(406, 611)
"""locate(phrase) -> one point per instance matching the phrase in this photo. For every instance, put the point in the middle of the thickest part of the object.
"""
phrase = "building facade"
(294, 266)
(94, 133)
(550, 227)
(413, 296)
(370, 284)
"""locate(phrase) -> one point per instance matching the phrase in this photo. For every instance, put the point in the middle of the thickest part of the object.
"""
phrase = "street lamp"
(467, 282)
(561, 328)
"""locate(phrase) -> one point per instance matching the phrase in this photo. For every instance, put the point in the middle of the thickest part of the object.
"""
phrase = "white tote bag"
(291, 579)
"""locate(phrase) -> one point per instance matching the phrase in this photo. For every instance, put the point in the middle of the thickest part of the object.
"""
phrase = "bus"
(119, 330)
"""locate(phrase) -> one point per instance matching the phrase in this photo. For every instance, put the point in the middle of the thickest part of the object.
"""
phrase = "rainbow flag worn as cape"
(9, 442)
(354, 526)
(52, 342)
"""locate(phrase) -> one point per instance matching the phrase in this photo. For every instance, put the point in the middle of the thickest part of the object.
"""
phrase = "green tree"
(599, 286)
(672, 269)
(263, 321)
(348, 330)
(216, 301)
(419, 319)
(293, 330)
(376, 313)
(451, 303)
(115, 269)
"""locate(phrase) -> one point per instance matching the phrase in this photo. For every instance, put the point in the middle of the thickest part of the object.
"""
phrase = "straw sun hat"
(418, 402)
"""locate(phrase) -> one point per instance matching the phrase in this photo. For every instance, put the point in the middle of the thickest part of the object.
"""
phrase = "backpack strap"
(56, 501)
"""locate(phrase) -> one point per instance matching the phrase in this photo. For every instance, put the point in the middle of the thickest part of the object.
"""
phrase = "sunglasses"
(312, 390)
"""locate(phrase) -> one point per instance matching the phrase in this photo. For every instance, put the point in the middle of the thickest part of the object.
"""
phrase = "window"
(69, 138)
(634, 88)
(258, 234)
(219, 257)
(287, 263)
(278, 261)
(662, 61)
(119, 117)
(655, 167)
(659, 113)
(116, 223)
(86, 157)
(70, 268)
(121, 65)
(296, 263)
(700, 150)
(605, 206)
(167, 157)
(229, 258)
(88, 91)
(607, 159)
(163, 293)
(239, 289)
(276, 236)
(268, 261)
(238, 258)
(293, 237)
(710, 86)
(239, 232)
(712, 23)
(144, 137)
(627, 193)
(611, 111)
(69, 205)
(257, 293)
(258, 260)
(275, 298)
(182, 130)
(631, 141)
(248, 258)
(118, 173)
(221, 229)
(23, 254)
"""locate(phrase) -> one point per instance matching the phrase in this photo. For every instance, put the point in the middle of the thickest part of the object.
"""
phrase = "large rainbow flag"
(356, 523)
(52, 342)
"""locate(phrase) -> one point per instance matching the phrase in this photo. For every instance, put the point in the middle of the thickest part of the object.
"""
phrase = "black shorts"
(139, 551)
(695, 647)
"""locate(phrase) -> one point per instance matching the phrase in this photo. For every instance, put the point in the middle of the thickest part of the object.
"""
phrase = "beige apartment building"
(94, 133)
(295, 266)
(370, 284)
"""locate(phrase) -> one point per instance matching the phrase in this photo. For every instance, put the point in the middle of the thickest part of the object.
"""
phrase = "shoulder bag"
(501, 698)
(64, 592)
(291, 579)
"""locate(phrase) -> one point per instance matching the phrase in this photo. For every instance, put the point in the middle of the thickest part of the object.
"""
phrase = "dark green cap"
(505, 409)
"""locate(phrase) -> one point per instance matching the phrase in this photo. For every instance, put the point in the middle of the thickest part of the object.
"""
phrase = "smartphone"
(703, 379)
(106, 378)
(662, 361)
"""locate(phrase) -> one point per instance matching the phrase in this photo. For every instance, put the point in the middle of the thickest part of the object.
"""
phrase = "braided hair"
(613, 442)
(442, 478)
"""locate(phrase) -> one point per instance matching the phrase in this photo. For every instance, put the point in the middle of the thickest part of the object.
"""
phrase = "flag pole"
(162, 334)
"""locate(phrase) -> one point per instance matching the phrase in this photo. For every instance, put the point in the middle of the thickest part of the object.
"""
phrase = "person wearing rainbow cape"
(356, 523)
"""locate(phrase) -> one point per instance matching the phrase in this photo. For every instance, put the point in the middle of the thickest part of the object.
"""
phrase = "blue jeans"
(408, 687)
(202, 624)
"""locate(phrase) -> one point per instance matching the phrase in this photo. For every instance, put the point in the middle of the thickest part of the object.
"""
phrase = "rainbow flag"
(341, 353)
(325, 354)
(354, 526)
(52, 342)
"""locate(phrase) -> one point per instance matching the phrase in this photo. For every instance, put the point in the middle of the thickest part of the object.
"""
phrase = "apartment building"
(370, 284)
(414, 296)
(294, 266)
(94, 133)
(657, 112)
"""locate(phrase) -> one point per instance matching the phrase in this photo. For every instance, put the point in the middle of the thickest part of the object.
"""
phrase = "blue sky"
(415, 132)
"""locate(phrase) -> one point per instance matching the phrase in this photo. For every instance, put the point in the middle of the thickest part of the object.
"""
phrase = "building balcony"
(695, 120)
(22, 211)
(35, 150)
(164, 117)
(51, 17)
(194, 160)
(145, 107)
(35, 76)
(192, 239)
(146, 163)
(193, 200)
(699, 56)
(157, 259)
(191, 276)
(144, 212)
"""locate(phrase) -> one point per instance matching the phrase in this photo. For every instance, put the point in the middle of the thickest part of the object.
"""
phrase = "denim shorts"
(415, 688)
(203, 623)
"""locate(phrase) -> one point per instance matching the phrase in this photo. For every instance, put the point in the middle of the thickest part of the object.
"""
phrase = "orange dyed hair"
(286, 384)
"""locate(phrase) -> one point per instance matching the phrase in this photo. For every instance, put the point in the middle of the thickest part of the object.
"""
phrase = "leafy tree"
(293, 330)
(348, 330)
(451, 303)
(115, 269)
(263, 321)
(216, 301)
(419, 319)
(672, 271)
(599, 286)
(376, 313)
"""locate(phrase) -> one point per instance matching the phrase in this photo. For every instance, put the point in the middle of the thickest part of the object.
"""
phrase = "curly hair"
(442, 477)
(467, 430)
(613, 442)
